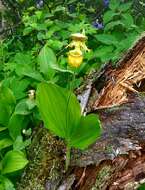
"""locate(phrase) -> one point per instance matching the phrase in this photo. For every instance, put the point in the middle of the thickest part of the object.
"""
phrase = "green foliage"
(11, 159)
(142, 187)
(36, 52)
(120, 31)
(61, 113)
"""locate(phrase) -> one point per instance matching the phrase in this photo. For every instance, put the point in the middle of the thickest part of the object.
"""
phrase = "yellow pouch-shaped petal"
(75, 58)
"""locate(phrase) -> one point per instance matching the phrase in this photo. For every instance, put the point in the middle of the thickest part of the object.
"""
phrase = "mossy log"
(117, 159)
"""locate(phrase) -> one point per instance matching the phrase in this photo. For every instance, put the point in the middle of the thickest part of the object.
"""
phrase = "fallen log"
(117, 159)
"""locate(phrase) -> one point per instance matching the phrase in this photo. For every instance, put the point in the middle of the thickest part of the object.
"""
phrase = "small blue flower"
(98, 25)
(106, 3)
(39, 4)
(71, 8)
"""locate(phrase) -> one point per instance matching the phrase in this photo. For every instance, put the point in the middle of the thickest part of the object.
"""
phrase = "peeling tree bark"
(115, 162)
(118, 158)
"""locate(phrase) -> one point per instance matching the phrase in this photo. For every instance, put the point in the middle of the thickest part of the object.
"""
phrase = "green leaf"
(6, 95)
(4, 134)
(16, 124)
(30, 103)
(5, 112)
(48, 63)
(19, 87)
(34, 75)
(125, 6)
(107, 39)
(59, 109)
(27, 31)
(7, 103)
(55, 44)
(103, 50)
(47, 60)
(128, 20)
(107, 57)
(126, 43)
(114, 4)
(27, 70)
(22, 108)
(6, 142)
(112, 24)
(19, 144)
(13, 161)
(87, 132)
(2, 128)
(23, 58)
(108, 16)
(6, 184)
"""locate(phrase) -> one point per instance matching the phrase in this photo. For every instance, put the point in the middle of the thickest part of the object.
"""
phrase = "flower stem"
(68, 148)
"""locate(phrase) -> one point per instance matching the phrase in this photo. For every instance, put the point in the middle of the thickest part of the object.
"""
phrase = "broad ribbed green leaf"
(87, 132)
(13, 161)
(59, 109)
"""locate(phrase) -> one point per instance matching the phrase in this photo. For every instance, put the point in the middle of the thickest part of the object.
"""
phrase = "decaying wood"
(116, 161)
(130, 72)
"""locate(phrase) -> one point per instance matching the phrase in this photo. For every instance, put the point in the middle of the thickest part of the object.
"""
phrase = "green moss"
(45, 163)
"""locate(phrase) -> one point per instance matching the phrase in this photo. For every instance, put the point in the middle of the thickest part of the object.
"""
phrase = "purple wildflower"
(106, 3)
(98, 25)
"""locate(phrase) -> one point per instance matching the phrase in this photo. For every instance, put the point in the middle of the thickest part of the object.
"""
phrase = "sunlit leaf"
(87, 132)
(13, 161)
(59, 109)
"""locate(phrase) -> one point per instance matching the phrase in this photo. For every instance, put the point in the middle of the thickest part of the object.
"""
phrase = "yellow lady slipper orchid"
(75, 58)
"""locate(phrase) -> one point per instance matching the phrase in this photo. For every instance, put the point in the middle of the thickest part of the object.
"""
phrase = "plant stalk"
(67, 162)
